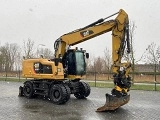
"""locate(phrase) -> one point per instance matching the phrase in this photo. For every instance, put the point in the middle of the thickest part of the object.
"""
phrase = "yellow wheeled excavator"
(59, 77)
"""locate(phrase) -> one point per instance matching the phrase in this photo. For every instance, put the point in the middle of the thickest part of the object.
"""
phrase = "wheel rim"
(56, 94)
(27, 90)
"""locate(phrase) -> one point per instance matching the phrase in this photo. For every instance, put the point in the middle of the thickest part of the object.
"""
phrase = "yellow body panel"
(28, 70)
(72, 77)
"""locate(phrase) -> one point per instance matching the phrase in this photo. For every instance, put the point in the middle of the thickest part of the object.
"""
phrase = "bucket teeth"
(112, 102)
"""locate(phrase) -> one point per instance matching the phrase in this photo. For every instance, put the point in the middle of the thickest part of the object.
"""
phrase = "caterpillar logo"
(86, 33)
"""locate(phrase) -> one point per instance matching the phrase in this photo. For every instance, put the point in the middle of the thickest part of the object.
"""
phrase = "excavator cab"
(74, 62)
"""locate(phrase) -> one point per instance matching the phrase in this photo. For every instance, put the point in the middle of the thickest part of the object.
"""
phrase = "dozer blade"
(113, 102)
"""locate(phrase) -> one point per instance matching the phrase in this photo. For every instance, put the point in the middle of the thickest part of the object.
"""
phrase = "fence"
(148, 77)
(139, 77)
(6, 76)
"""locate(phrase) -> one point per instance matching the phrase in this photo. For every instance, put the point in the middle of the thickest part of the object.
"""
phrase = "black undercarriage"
(57, 91)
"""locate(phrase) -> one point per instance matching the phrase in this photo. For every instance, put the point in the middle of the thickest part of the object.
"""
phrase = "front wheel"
(83, 90)
(59, 93)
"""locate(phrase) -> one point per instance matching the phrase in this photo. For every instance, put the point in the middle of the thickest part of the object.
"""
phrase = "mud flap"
(21, 91)
(113, 102)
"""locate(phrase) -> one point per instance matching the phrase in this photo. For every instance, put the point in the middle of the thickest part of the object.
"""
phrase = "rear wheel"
(68, 91)
(83, 90)
(59, 93)
(28, 90)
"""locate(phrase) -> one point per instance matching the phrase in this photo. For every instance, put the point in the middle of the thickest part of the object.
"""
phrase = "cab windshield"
(80, 63)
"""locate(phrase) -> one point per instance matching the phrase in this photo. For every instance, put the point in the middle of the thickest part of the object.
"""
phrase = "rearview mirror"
(87, 55)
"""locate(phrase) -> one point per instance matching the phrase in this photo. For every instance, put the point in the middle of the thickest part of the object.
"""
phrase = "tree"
(132, 28)
(152, 54)
(107, 61)
(98, 64)
(8, 56)
(3, 57)
(13, 52)
(28, 48)
(46, 52)
(18, 60)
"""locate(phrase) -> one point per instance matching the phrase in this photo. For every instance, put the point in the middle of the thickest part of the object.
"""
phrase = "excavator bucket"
(113, 102)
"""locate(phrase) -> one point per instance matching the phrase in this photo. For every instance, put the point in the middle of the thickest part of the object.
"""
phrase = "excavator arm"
(120, 39)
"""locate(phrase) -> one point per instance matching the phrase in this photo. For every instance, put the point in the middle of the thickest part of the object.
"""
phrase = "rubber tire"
(59, 93)
(68, 92)
(84, 90)
(28, 85)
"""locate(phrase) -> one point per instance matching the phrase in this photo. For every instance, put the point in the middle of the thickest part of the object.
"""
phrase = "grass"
(101, 85)
(12, 79)
(146, 87)
(150, 87)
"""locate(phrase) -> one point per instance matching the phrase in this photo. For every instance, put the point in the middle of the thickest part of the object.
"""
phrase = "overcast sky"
(43, 21)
